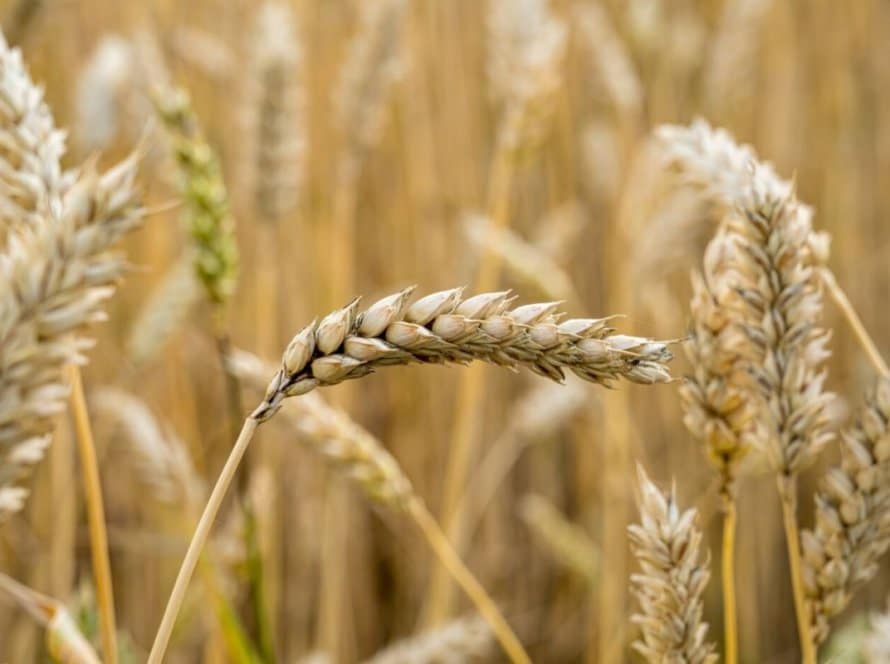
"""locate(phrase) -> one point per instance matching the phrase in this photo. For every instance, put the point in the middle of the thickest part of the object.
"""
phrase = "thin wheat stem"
(788, 494)
(199, 539)
(95, 517)
(731, 638)
(456, 568)
(843, 302)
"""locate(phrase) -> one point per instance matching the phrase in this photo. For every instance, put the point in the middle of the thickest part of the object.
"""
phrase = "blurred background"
(365, 145)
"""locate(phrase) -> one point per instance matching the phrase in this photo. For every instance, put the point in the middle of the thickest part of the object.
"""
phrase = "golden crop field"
(635, 252)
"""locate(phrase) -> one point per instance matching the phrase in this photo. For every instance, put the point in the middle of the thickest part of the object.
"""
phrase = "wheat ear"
(442, 327)
(852, 529)
(566, 542)
(711, 159)
(672, 580)
(716, 409)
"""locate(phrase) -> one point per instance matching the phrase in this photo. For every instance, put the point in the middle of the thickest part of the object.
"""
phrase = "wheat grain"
(672, 580)
(852, 529)
(53, 280)
(461, 641)
(445, 327)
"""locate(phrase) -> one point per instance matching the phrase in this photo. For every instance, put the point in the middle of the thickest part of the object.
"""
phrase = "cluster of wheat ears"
(755, 346)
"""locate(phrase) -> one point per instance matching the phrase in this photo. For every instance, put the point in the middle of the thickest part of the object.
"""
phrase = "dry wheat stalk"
(53, 280)
(31, 179)
(373, 66)
(161, 458)
(876, 645)
(64, 641)
(568, 543)
(275, 113)
(206, 214)
(672, 581)
(166, 310)
(461, 641)
(852, 529)
(446, 328)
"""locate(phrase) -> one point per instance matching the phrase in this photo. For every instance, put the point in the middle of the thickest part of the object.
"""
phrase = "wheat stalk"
(460, 641)
(852, 529)
(672, 580)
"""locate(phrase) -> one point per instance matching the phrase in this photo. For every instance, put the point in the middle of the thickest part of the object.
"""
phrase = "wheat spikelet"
(565, 541)
(206, 213)
(31, 179)
(161, 457)
(373, 65)
(276, 113)
(446, 328)
(672, 580)
(527, 43)
(460, 641)
(53, 280)
(852, 529)
(100, 85)
(876, 645)
(716, 409)
(167, 308)
(64, 641)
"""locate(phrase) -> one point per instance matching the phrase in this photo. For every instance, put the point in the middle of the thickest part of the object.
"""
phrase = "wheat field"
(444, 331)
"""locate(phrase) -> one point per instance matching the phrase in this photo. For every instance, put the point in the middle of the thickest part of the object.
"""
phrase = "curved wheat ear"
(464, 640)
(206, 212)
(446, 328)
(64, 641)
(672, 581)
(876, 646)
(716, 409)
(852, 528)
(276, 113)
(566, 542)
(53, 280)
